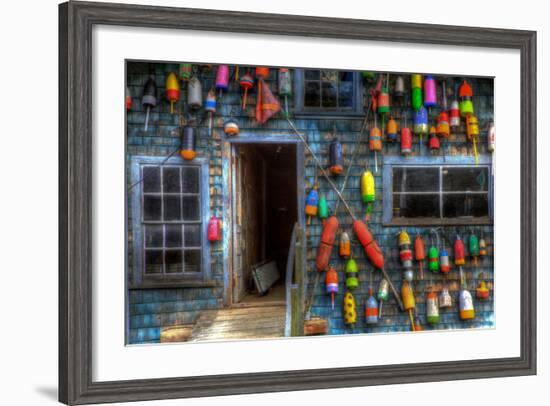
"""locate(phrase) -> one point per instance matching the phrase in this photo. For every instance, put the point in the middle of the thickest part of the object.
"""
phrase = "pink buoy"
(222, 78)
(430, 95)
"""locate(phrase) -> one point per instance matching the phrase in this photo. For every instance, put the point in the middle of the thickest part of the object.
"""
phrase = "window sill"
(352, 115)
(397, 222)
(174, 284)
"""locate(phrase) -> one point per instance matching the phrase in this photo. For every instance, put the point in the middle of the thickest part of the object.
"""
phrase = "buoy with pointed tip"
(472, 131)
(368, 191)
(262, 72)
(246, 84)
(465, 305)
(416, 92)
(383, 294)
(430, 93)
(327, 241)
(391, 130)
(185, 71)
(465, 94)
(432, 307)
(336, 157)
(482, 247)
(231, 128)
(349, 309)
(194, 93)
(322, 211)
(312, 203)
(352, 281)
(214, 232)
(222, 79)
(345, 245)
(419, 254)
(285, 86)
(149, 98)
(128, 99)
(187, 150)
(210, 107)
(331, 282)
(375, 143)
(371, 309)
(172, 90)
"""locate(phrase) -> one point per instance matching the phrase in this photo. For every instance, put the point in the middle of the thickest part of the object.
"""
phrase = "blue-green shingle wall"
(152, 309)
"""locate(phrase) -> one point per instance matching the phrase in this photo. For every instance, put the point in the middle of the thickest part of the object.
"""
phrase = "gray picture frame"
(76, 20)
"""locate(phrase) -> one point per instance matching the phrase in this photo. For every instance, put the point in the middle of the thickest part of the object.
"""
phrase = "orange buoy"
(345, 245)
(331, 282)
(327, 241)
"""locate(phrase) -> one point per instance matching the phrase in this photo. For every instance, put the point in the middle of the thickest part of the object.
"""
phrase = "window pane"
(190, 179)
(153, 236)
(151, 179)
(173, 236)
(171, 179)
(172, 208)
(346, 76)
(328, 94)
(191, 208)
(151, 208)
(192, 260)
(425, 205)
(192, 235)
(312, 97)
(153, 261)
(465, 179)
(415, 179)
(329, 75)
(312, 74)
(462, 205)
(345, 94)
(173, 260)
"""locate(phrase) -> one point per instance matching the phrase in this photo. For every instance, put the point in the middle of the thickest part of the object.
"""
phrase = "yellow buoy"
(350, 309)
(368, 190)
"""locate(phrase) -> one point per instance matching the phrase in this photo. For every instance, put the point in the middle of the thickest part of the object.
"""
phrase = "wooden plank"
(294, 321)
(315, 326)
(299, 279)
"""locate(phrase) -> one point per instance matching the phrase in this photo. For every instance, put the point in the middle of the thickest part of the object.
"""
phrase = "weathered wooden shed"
(183, 287)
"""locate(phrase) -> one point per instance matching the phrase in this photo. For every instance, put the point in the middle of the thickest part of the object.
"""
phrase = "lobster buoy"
(482, 247)
(194, 93)
(246, 84)
(417, 325)
(399, 90)
(172, 90)
(443, 124)
(444, 265)
(491, 138)
(231, 128)
(434, 143)
(466, 105)
(454, 120)
(433, 259)
(416, 92)
(322, 211)
(391, 130)
(459, 251)
(222, 79)
(419, 253)
(345, 245)
(373, 251)
(210, 107)
(327, 241)
(285, 86)
(312, 202)
(331, 282)
(187, 150)
(262, 72)
(465, 305)
(128, 99)
(383, 102)
(368, 191)
(472, 131)
(383, 294)
(430, 94)
(405, 254)
(214, 229)
(375, 139)
(482, 292)
(185, 71)
(406, 141)
(149, 98)
(336, 157)
(352, 281)
(445, 299)
(349, 309)
(371, 309)
(473, 248)
(409, 303)
(432, 307)
(421, 121)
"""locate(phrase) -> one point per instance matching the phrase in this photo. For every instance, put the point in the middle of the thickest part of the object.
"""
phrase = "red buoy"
(374, 254)
(327, 241)
(214, 229)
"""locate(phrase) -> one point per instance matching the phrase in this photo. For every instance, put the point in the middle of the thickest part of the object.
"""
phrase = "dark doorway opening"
(265, 210)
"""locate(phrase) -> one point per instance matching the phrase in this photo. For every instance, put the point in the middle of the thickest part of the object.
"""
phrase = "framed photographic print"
(260, 202)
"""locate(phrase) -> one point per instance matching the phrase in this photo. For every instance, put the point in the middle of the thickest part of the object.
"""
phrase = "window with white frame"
(168, 212)
(438, 194)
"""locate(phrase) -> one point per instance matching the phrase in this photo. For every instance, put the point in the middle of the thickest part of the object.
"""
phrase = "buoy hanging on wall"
(322, 211)
(443, 124)
(454, 120)
(194, 93)
(421, 121)
(399, 90)
(445, 299)
(432, 307)
(482, 292)
(349, 309)
(187, 150)
(430, 94)
(409, 303)
(214, 229)
(312, 202)
(383, 294)
(352, 282)
(465, 305)
(149, 98)
(473, 245)
(185, 71)
(327, 241)
(419, 254)
(416, 92)
(368, 191)
(434, 143)
(491, 137)
(466, 105)
(222, 79)
(231, 128)
(405, 255)
(433, 259)
(331, 282)
(371, 309)
(172, 91)
(262, 72)
(285, 86)
(246, 84)
(444, 265)
(391, 130)
(459, 252)
(210, 107)
(345, 245)
(128, 99)
(336, 158)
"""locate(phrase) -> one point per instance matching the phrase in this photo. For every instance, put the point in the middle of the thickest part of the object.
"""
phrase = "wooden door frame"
(228, 145)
